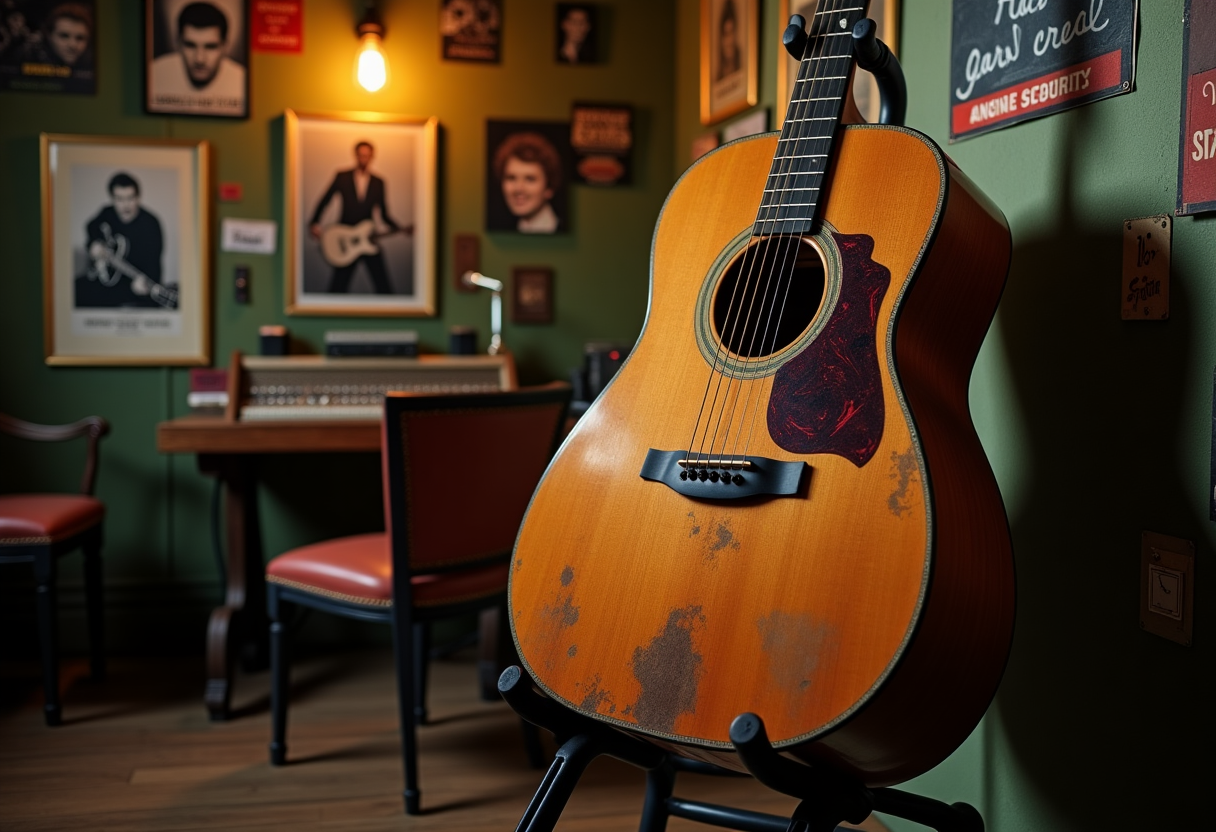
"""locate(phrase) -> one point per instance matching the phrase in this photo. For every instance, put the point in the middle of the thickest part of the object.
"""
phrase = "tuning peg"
(794, 38)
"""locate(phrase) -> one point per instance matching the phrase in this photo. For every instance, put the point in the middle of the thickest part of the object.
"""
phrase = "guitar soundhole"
(768, 295)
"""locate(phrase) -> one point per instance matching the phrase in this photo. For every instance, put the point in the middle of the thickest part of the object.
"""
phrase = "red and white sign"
(1197, 145)
(277, 25)
(1076, 81)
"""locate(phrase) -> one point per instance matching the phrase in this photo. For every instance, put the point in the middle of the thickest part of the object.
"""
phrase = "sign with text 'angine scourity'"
(1014, 60)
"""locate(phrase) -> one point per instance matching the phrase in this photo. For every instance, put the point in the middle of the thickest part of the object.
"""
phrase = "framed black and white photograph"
(196, 57)
(576, 33)
(360, 204)
(127, 250)
(865, 90)
(729, 63)
(528, 167)
(48, 46)
(471, 30)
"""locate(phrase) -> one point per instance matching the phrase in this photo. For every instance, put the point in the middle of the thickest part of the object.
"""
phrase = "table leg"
(239, 627)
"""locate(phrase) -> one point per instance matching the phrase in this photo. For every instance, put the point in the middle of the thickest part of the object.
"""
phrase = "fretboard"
(791, 194)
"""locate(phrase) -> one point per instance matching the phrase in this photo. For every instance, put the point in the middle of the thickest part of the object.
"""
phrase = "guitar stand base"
(827, 797)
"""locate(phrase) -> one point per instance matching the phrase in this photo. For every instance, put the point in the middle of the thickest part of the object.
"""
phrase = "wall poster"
(359, 231)
(196, 57)
(127, 250)
(729, 57)
(48, 46)
(527, 168)
(1015, 60)
(471, 30)
(1197, 159)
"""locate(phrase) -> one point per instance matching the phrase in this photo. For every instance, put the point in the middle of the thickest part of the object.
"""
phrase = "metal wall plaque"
(1146, 268)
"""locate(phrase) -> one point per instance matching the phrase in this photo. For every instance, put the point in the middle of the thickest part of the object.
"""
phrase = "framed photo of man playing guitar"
(126, 233)
(360, 204)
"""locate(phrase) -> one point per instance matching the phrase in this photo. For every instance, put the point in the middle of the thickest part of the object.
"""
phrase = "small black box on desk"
(373, 343)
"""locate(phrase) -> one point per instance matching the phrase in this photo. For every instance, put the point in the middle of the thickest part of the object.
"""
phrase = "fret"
(790, 198)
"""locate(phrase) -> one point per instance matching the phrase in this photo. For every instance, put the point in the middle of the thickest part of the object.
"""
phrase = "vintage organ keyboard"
(315, 387)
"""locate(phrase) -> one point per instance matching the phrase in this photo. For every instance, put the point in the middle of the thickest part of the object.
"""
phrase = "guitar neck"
(795, 180)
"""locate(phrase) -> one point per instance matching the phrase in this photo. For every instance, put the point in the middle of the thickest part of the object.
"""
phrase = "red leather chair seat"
(46, 518)
(359, 569)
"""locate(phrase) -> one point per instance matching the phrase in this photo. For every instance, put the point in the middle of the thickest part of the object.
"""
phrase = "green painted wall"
(160, 568)
(1097, 429)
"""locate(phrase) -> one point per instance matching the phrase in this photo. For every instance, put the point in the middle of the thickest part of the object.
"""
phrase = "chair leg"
(404, 638)
(422, 663)
(280, 671)
(93, 602)
(48, 633)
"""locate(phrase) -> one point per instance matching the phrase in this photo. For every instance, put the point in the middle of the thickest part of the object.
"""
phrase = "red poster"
(278, 25)
(1197, 153)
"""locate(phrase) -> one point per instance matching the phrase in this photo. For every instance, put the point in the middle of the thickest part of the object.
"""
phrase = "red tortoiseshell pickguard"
(828, 398)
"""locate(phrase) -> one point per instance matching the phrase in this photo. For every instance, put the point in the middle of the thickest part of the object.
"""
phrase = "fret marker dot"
(844, 23)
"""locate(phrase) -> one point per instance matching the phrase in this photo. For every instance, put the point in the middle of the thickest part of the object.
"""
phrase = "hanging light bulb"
(371, 69)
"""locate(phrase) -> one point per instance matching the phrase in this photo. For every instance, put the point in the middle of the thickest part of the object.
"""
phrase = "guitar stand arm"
(876, 58)
(581, 740)
(829, 797)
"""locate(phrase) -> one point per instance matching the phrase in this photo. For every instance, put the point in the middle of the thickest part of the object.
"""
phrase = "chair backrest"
(94, 427)
(459, 471)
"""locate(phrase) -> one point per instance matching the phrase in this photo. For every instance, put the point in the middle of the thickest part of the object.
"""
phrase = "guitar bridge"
(726, 478)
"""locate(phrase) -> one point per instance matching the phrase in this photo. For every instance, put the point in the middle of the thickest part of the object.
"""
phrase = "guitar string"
(834, 103)
(759, 247)
(809, 78)
(735, 317)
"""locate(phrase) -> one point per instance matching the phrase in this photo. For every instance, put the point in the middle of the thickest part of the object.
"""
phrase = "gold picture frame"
(360, 236)
(730, 65)
(865, 91)
(126, 237)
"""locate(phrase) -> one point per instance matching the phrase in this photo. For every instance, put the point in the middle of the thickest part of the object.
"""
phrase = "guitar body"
(866, 618)
(342, 245)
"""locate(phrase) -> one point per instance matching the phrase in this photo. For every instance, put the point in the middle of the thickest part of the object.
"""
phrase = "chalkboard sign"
(1014, 60)
(1197, 154)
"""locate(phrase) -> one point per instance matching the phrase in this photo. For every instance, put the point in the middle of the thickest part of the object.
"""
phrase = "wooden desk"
(229, 450)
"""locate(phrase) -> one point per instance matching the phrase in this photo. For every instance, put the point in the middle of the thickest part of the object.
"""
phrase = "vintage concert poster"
(1014, 60)
(1197, 155)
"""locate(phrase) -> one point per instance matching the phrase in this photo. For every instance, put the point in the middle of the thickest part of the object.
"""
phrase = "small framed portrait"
(527, 171)
(470, 30)
(196, 57)
(127, 250)
(532, 295)
(360, 214)
(729, 63)
(576, 33)
(865, 91)
(48, 46)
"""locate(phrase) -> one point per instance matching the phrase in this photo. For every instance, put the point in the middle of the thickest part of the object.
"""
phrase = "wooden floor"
(138, 752)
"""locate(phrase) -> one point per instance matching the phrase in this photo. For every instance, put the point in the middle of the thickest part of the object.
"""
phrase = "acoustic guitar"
(780, 504)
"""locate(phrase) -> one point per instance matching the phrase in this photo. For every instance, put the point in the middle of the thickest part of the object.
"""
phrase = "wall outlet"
(1167, 586)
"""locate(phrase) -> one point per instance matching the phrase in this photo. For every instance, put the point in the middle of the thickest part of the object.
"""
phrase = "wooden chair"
(40, 528)
(459, 473)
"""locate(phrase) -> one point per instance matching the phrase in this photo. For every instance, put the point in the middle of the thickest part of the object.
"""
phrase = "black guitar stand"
(872, 55)
(828, 797)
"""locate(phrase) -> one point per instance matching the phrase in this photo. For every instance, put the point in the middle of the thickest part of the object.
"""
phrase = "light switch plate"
(1167, 586)
(1146, 268)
